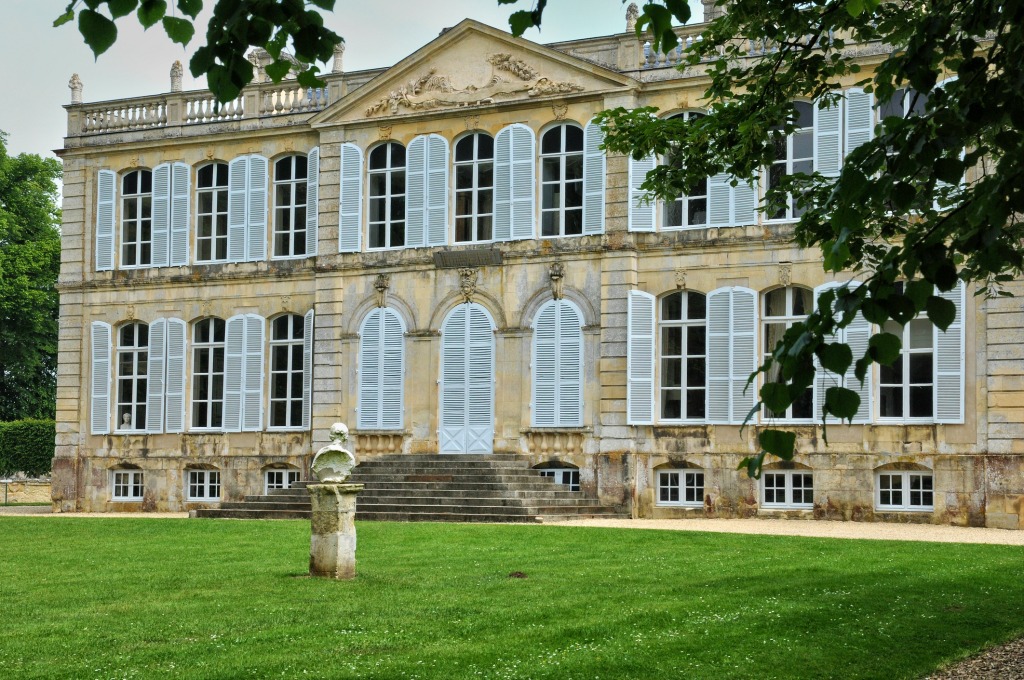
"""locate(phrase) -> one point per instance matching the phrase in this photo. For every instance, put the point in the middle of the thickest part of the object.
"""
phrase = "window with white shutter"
(106, 189)
(290, 206)
(99, 407)
(641, 210)
(467, 381)
(859, 119)
(784, 307)
(181, 190)
(594, 170)
(208, 374)
(426, 202)
(155, 376)
(474, 188)
(307, 369)
(381, 370)
(690, 210)
(856, 335)
(312, 200)
(247, 208)
(557, 368)
(212, 213)
(234, 367)
(137, 219)
(828, 138)
(252, 386)
(174, 384)
(682, 356)
(386, 166)
(161, 216)
(350, 201)
(794, 153)
(514, 183)
(132, 377)
(287, 370)
(732, 355)
(640, 358)
(561, 161)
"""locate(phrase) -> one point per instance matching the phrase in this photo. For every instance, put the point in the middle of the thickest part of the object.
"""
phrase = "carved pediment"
(512, 78)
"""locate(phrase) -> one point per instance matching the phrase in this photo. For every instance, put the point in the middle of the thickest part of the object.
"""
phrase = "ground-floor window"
(681, 487)
(127, 485)
(568, 477)
(280, 479)
(787, 489)
(204, 485)
(904, 491)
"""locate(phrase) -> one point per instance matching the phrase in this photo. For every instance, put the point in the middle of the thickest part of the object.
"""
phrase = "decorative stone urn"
(332, 544)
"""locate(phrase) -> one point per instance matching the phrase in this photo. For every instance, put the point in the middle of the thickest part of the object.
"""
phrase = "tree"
(933, 198)
(29, 264)
(235, 26)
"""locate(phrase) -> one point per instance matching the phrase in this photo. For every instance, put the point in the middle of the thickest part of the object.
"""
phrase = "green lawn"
(127, 598)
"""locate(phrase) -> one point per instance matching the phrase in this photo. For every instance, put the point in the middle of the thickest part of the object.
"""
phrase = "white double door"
(467, 381)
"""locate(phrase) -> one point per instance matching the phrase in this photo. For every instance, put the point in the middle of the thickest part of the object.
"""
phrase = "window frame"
(559, 474)
(684, 199)
(790, 214)
(289, 476)
(216, 215)
(475, 163)
(389, 171)
(136, 377)
(905, 385)
(905, 490)
(788, 319)
(139, 197)
(211, 346)
(684, 387)
(297, 321)
(563, 156)
(209, 480)
(663, 482)
(788, 489)
(135, 482)
(296, 233)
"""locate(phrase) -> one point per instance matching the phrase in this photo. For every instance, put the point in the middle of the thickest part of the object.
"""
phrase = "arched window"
(782, 308)
(290, 206)
(474, 188)
(381, 370)
(387, 196)
(212, 213)
(561, 159)
(565, 474)
(132, 376)
(687, 210)
(286, 370)
(683, 349)
(137, 219)
(794, 153)
(208, 348)
(558, 365)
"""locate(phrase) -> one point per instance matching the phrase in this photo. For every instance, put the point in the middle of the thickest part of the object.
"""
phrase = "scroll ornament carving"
(381, 284)
(785, 274)
(286, 302)
(432, 90)
(385, 132)
(557, 275)
(467, 283)
(680, 279)
(559, 111)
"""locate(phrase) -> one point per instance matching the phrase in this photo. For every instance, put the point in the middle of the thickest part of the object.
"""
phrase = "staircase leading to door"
(463, 488)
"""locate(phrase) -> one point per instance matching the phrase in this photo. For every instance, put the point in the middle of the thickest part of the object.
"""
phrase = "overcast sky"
(40, 59)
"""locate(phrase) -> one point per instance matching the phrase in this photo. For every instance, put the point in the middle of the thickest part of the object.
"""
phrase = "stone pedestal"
(332, 545)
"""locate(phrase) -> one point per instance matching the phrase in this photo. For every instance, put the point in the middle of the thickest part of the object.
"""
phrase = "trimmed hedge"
(27, 446)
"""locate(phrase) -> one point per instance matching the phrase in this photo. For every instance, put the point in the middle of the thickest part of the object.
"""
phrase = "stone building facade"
(441, 255)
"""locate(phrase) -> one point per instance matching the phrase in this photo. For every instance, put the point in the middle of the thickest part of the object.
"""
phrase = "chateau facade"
(441, 255)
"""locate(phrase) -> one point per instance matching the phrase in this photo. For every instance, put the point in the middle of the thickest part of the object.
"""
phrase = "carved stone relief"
(785, 274)
(559, 111)
(385, 132)
(557, 275)
(286, 302)
(467, 283)
(433, 90)
(680, 279)
(381, 284)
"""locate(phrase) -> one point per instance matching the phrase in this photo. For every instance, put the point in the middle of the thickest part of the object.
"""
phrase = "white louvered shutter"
(857, 335)
(437, 191)
(719, 201)
(454, 339)
(155, 376)
(252, 383)
(174, 386)
(256, 227)
(161, 229)
(744, 352)
(949, 363)
(307, 369)
(744, 198)
(99, 407)
(824, 379)
(640, 359)
(392, 370)
(106, 190)
(503, 185)
(524, 183)
(180, 191)
(238, 217)
(370, 347)
(312, 200)
(350, 201)
(545, 366)
(234, 363)
(593, 179)
(479, 381)
(828, 140)
(719, 349)
(569, 335)
(641, 213)
(416, 192)
(860, 119)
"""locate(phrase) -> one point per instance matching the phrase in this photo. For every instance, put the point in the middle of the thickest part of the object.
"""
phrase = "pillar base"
(332, 544)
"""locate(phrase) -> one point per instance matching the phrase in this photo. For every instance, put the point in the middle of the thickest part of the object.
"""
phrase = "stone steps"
(500, 488)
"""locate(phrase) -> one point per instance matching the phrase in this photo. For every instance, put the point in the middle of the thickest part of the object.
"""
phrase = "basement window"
(203, 485)
(127, 485)
(280, 479)
(904, 491)
(568, 477)
(683, 488)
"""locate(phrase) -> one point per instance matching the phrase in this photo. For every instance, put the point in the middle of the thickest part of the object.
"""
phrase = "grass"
(127, 598)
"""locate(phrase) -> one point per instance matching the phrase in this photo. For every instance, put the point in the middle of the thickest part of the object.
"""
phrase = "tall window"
(290, 206)
(208, 374)
(474, 188)
(906, 387)
(561, 160)
(782, 308)
(681, 487)
(387, 196)
(132, 368)
(683, 332)
(794, 153)
(286, 371)
(127, 485)
(787, 489)
(203, 485)
(687, 210)
(904, 491)
(137, 219)
(212, 213)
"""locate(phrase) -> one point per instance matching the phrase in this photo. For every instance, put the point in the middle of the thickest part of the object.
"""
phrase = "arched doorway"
(467, 381)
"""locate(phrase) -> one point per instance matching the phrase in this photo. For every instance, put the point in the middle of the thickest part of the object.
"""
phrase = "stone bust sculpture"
(333, 463)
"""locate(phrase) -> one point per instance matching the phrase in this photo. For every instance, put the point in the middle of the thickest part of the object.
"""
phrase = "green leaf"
(918, 291)
(120, 8)
(903, 195)
(946, 276)
(329, 4)
(192, 8)
(277, 70)
(835, 357)
(874, 312)
(179, 30)
(64, 18)
(900, 308)
(854, 7)
(778, 443)
(842, 402)
(775, 396)
(310, 78)
(884, 348)
(949, 170)
(151, 11)
(753, 465)
(941, 311)
(520, 21)
(98, 31)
